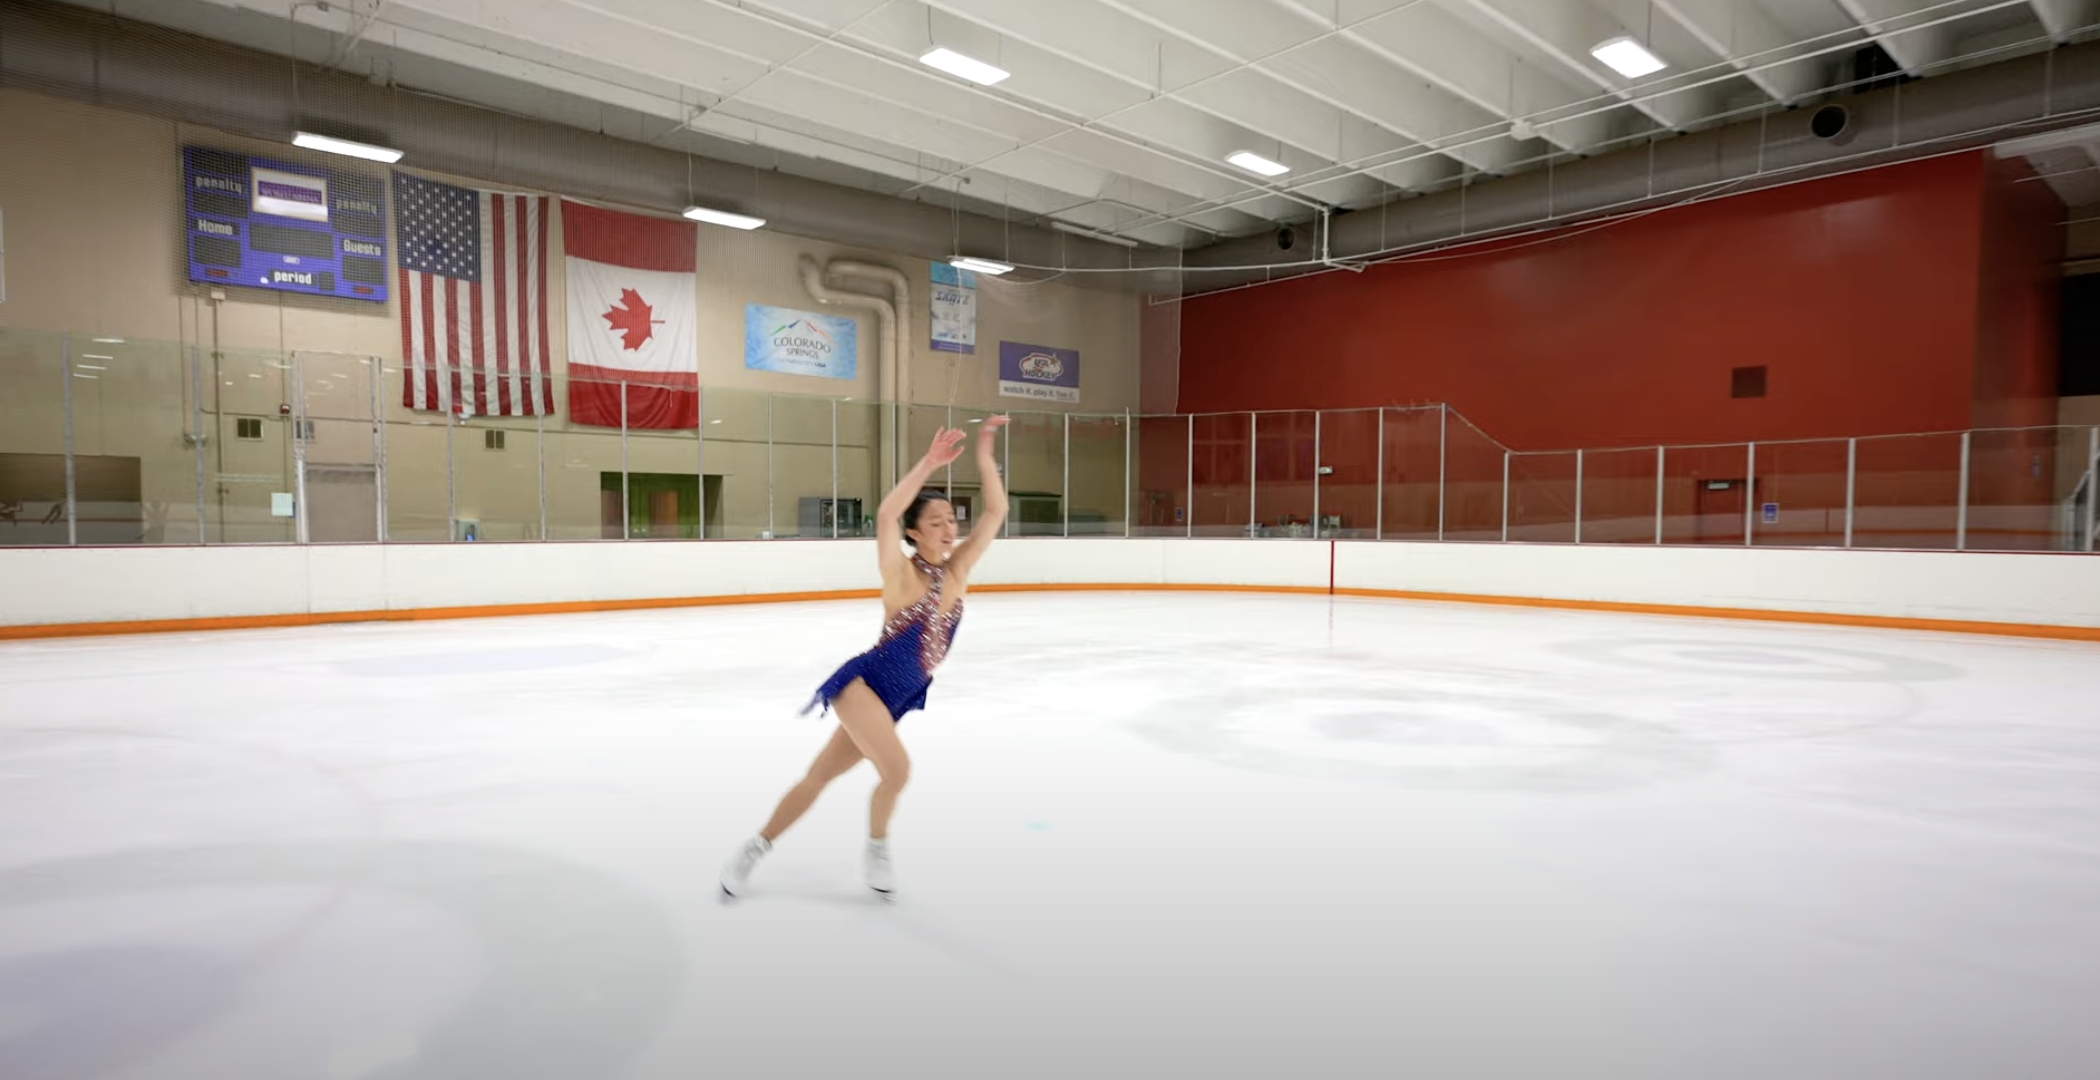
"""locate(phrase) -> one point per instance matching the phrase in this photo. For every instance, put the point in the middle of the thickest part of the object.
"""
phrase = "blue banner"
(800, 343)
(1035, 371)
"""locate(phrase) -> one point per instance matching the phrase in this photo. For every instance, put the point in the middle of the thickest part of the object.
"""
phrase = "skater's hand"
(947, 446)
(990, 435)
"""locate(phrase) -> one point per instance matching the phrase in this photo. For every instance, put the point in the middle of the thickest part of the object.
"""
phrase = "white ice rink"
(1148, 836)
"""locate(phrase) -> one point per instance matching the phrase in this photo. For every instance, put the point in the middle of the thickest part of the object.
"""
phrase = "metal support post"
(1961, 501)
(1317, 460)
(1505, 496)
(1253, 466)
(834, 472)
(199, 440)
(700, 461)
(1006, 454)
(1129, 451)
(72, 481)
(451, 462)
(380, 465)
(1660, 492)
(543, 476)
(1064, 500)
(1443, 447)
(1578, 496)
(1190, 514)
(298, 398)
(2092, 491)
(1379, 497)
(1750, 497)
(626, 512)
(378, 452)
(1851, 485)
(767, 532)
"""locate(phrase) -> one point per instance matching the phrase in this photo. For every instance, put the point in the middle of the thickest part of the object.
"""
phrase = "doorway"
(1718, 511)
(340, 504)
(660, 506)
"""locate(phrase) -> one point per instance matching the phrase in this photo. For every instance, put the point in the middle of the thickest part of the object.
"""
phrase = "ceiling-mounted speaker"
(1830, 123)
(1286, 238)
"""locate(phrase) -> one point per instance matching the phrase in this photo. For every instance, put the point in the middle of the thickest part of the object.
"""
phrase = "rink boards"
(69, 591)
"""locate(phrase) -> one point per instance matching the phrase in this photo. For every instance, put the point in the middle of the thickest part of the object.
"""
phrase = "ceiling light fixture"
(955, 63)
(982, 266)
(1106, 238)
(1255, 163)
(1628, 57)
(723, 217)
(310, 141)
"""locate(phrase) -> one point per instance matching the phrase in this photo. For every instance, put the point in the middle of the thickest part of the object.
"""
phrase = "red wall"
(1859, 294)
(1919, 298)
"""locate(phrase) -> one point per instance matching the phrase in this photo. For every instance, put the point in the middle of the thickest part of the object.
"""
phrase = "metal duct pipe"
(886, 352)
(900, 296)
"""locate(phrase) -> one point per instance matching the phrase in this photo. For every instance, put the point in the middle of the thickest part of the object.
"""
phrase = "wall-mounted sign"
(1038, 372)
(800, 343)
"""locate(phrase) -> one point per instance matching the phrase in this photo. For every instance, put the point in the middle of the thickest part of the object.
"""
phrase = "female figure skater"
(922, 599)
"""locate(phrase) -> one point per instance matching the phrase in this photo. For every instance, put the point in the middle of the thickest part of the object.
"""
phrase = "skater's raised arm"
(992, 515)
(889, 517)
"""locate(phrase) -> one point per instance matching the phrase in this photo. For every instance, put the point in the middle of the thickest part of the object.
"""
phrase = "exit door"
(1720, 507)
(338, 448)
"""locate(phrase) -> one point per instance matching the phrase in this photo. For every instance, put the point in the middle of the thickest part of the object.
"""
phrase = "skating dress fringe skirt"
(900, 666)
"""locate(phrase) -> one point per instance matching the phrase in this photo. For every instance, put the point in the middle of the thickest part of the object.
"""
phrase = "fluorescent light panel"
(1628, 57)
(982, 266)
(1255, 163)
(955, 63)
(1106, 238)
(311, 141)
(723, 217)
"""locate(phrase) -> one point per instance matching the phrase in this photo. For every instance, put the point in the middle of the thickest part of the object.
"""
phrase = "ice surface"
(1147, 836)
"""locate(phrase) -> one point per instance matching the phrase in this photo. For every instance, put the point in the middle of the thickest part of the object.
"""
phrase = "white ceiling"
(1119, 113)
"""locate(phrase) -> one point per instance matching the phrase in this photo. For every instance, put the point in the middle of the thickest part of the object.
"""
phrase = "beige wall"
(95, 246)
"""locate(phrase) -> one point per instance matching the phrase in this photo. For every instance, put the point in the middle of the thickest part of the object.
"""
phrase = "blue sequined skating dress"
(900, 666)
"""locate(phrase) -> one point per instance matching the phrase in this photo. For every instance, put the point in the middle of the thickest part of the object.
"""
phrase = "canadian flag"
(631, 318)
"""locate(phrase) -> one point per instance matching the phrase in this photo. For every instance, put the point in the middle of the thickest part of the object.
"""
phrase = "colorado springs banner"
(954, 309)
(800, 343)
(1033, 371)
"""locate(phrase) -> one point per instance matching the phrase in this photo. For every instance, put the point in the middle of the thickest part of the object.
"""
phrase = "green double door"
(660, 506)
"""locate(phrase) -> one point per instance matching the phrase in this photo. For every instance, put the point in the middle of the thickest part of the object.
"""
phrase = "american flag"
(473, 299)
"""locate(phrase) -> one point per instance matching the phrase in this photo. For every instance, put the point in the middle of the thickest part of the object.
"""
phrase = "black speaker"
(1286, 238)
(1830, 121)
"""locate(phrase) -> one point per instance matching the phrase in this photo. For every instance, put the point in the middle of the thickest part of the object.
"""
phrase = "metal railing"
(104, 441)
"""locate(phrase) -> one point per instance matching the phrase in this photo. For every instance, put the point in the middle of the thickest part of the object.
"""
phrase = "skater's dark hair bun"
(918, 506)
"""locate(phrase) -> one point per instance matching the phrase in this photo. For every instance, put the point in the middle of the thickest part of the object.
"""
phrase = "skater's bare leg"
(838, 757)
(867, 721)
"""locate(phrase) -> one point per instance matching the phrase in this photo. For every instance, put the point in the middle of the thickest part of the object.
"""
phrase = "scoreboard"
(283, 226)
